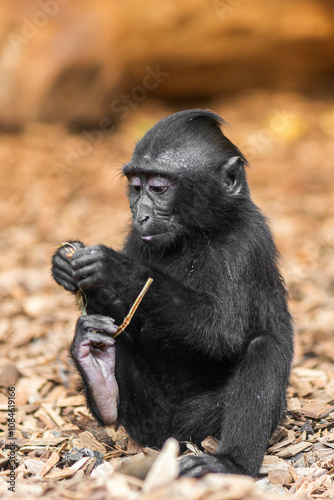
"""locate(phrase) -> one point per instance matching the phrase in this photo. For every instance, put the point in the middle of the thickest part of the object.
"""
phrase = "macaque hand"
(62, 271)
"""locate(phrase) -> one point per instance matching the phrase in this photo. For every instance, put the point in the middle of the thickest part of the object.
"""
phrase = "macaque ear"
(233, 174)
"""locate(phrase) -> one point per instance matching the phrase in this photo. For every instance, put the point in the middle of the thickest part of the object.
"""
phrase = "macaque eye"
(158, 185)
(135, 184)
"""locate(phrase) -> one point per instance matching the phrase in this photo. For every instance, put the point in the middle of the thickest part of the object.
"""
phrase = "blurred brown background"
(81, 81)
(68, 60)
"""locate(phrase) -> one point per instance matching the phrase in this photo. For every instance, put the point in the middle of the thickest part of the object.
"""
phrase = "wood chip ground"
(47, 195)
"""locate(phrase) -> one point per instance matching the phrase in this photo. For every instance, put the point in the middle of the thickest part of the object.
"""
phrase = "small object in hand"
(80, 295)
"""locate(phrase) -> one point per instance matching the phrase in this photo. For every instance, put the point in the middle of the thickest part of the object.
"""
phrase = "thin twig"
(133, 309)
(82, 300)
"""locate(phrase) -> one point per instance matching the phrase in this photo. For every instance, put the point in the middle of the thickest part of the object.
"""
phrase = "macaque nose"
(144, 219)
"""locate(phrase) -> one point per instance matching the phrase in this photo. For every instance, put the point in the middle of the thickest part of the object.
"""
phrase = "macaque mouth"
(153, 237)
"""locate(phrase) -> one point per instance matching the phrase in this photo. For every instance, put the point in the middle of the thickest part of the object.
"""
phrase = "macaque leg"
(93, 351)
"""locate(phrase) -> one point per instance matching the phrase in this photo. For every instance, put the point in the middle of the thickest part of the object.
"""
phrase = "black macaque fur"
(209, 350)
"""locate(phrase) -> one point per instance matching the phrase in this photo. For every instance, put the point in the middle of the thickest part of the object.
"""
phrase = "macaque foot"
(197, 466)
(94, 353)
